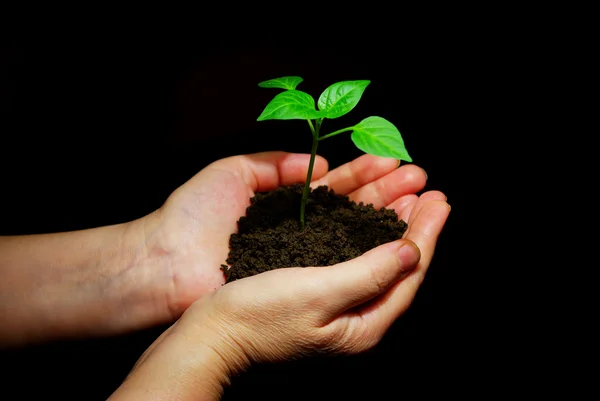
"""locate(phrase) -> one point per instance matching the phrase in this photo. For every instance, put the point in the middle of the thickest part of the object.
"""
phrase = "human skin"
(120, 278)
(288, 313)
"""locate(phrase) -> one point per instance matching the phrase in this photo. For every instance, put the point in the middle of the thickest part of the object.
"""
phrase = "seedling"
(373, 135)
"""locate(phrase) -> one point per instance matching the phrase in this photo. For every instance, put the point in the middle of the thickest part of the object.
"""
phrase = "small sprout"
(373, 135)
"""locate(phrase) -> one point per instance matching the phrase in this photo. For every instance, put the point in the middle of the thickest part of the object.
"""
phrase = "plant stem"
(313, 154)
(335, 133)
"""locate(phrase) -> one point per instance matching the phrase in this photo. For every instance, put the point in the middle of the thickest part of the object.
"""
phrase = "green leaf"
(289, 105)
(379, 137)
(339, 98)
(289, 83)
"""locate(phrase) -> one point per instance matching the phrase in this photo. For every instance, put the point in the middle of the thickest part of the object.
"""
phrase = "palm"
(199, 217)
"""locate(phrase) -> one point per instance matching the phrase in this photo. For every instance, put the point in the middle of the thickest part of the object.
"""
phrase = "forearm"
(180, 367)
(87, 282)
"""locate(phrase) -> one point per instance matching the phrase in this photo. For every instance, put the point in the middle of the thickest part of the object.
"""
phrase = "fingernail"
(425, 172)
(408, 255)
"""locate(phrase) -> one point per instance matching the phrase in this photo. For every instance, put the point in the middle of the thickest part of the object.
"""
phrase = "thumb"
(361, 279)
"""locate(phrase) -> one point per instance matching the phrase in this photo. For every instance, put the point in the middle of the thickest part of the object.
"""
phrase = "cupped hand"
(293, 312)
(283, 313)
(190, 233)
(345, 308)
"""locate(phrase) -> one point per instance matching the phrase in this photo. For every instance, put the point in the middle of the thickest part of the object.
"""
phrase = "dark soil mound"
(337, 229)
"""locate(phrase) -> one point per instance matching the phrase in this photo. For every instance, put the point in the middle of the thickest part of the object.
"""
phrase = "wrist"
(185, 363)
(138, 279)
(219, 339)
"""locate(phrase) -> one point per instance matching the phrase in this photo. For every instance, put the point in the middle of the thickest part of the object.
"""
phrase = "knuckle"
(379, 190)
(346, 339)
(376, 280)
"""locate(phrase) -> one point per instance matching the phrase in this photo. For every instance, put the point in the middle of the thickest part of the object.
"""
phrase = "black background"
(97, 136)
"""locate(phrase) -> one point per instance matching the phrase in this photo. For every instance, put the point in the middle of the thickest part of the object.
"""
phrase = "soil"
(337, 229)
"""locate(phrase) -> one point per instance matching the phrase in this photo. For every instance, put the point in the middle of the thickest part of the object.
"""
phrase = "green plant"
(373, 135)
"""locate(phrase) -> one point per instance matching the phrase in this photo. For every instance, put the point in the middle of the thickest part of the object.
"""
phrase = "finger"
(407, 179)
(425, 228)
(363, 278)
(424, 199)
(403, 206)
(353, 175)
(268, 170)
(378, 315)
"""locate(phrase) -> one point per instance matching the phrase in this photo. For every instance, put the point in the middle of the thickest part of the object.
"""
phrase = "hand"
(114, 279)
(189, 234)
(292, 312)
